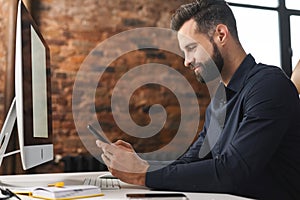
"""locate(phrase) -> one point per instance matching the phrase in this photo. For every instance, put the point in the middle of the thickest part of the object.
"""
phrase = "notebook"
(61, 193)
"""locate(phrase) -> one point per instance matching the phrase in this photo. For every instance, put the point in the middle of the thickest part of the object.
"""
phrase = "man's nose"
(188, 61)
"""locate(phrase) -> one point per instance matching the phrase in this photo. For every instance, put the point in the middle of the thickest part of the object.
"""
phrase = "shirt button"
(222, 102)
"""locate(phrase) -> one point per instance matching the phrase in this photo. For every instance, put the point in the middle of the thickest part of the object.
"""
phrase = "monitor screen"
(33, 92)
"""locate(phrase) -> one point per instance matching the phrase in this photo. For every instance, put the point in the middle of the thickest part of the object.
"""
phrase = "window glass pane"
(295, 32)
(266, 3)
(259, 34)
(292, 4)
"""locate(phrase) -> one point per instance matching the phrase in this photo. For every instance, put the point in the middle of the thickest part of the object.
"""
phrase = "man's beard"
(211, 68)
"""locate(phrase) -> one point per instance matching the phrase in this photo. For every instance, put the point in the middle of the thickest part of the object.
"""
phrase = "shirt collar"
(239, 77)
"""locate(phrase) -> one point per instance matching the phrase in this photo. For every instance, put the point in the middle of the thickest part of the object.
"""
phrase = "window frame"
(284, 14)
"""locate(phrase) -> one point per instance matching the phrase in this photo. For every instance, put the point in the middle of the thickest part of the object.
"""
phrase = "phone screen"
(97, 134)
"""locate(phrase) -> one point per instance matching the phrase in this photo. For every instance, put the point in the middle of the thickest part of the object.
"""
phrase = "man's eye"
(190, 48)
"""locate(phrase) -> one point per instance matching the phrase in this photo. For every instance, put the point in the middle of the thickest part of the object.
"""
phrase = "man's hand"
(123, 162)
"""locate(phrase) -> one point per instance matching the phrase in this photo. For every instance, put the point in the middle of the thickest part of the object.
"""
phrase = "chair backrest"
(296, 76)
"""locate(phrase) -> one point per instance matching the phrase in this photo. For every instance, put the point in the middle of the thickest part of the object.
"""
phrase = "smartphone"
(153, 196)
(97, 134)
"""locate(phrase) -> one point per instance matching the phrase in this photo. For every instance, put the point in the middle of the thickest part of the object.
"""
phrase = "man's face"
(201, 54)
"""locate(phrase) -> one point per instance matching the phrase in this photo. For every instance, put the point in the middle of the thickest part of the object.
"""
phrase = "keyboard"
(103, 183)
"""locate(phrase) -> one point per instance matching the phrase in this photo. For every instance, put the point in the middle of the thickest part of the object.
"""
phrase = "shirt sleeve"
(265, 120)
(191, 155)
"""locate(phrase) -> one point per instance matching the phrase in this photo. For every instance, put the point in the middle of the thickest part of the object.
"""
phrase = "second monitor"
(33, 92)
(32, 104)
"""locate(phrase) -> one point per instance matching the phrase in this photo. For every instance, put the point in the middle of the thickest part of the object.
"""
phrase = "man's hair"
(207, 14)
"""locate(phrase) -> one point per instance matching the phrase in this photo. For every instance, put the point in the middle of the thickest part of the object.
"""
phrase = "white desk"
(77, 178)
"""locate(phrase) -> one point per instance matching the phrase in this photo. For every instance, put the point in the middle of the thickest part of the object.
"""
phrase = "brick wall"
(72, 29)
(3, 52)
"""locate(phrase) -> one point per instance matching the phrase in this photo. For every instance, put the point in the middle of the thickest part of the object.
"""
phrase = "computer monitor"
(32, 104)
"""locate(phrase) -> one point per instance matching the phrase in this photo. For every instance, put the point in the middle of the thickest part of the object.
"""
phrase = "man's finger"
(100, 143)
(124, 145)
(106, 148)
(105, 159)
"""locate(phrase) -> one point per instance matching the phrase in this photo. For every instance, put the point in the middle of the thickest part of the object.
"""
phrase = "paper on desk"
(61, 193)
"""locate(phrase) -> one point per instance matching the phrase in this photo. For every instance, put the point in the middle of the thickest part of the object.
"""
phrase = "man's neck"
(232, 61)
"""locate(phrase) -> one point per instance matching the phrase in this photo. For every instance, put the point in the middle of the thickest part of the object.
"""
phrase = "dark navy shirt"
(254, 148)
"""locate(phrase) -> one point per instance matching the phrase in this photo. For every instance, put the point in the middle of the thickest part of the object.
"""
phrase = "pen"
(57, 184)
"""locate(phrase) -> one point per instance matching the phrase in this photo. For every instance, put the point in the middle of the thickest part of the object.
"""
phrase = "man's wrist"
(142, 176)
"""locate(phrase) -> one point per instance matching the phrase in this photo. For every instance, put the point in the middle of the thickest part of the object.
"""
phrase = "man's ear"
(221, 33)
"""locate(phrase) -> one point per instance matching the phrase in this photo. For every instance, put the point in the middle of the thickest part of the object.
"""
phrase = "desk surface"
(77, 178)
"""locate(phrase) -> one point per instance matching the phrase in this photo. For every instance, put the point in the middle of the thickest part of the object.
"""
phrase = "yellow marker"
(57, 184)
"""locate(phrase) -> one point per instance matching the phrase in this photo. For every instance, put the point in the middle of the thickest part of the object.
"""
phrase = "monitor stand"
(7, 130)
